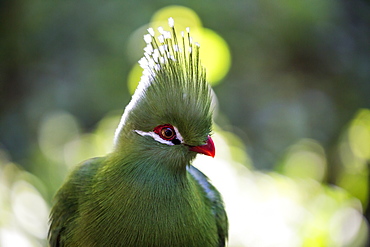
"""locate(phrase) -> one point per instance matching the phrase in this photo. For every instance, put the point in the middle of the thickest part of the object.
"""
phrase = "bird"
(146, 192)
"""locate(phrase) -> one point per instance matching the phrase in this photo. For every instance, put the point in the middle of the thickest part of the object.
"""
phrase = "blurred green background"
(292, 126)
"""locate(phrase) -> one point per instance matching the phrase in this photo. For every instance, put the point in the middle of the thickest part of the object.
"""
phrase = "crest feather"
(167, 54)
(173, 84)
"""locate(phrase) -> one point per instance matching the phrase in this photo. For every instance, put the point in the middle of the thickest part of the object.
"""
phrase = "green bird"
(146, 192)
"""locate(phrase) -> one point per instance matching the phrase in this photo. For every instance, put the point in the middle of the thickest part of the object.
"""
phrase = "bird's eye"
(166, 131)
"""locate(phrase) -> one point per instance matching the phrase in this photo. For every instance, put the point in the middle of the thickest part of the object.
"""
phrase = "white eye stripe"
(178, 135)
(156, 137)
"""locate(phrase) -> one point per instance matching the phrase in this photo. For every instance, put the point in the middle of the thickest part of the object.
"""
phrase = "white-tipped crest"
(161, 39)
(157, 53)
(151, 31)
(171, 22)
(148, 38)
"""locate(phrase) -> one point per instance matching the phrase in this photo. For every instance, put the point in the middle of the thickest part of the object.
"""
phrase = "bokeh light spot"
(359, 134)
(30, 209)
(82, 148)
(11, 238)
(305, 160)
(106, 130)
(184, 17)
(355, 183)
(56, 129)
(134, 78)
(345, 225)
(215, 55)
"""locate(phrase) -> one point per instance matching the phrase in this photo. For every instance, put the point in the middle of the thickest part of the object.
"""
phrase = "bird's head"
(170, 113)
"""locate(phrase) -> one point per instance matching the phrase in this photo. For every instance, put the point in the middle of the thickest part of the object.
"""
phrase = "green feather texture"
(146, 192)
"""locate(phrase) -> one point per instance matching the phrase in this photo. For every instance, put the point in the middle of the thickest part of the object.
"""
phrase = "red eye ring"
(166, 132)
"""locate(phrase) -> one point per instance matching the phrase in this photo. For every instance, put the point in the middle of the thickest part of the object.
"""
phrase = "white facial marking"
(178, 135)
(156, 137)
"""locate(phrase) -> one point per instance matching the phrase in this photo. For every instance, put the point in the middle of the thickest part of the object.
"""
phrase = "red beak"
(207, 149)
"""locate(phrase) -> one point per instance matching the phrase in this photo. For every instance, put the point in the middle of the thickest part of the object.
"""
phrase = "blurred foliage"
(292, 81)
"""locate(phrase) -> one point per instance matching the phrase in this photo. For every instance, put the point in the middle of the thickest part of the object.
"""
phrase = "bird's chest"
(156, 215)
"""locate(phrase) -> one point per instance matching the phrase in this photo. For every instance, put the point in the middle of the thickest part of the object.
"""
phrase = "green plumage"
(146, 193)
